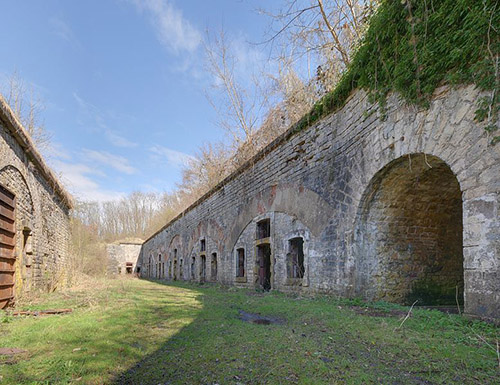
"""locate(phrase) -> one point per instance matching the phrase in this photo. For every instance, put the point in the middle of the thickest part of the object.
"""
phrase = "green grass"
(140, 332)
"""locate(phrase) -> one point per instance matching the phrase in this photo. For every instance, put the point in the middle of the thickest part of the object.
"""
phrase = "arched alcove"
(408, 237)
(273, 251)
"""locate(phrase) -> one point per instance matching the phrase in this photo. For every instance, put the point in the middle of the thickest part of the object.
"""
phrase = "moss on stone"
(433, 293)
(412, 47)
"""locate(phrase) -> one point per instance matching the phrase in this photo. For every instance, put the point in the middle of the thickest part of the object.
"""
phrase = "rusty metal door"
(7, 246)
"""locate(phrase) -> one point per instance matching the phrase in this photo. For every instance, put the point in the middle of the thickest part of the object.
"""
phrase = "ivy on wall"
(414, 46)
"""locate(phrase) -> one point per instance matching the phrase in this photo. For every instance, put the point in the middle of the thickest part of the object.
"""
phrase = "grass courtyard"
(140, 332)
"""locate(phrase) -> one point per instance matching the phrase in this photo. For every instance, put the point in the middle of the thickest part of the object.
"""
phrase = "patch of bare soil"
(259, 319)
(10, 356)
(377, 312)
(442, 309)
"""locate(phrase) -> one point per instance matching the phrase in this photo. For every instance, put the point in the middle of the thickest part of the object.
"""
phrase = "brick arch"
(284, 228)
(209, 229)
(408, 241)
(26, 237)
(213, 234)
(297, 201)
(176, 240)
(173, 269)
(14, 180)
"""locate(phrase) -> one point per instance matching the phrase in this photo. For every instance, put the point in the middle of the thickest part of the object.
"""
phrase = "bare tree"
(28, 107)
(326, 32)
(210, 164)
(239, 107)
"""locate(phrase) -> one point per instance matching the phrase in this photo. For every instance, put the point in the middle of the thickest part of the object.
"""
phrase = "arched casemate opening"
(409, 228)
(173, 255)
(273, 252)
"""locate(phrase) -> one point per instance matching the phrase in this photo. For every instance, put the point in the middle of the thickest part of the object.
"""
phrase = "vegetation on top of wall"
(412, 47)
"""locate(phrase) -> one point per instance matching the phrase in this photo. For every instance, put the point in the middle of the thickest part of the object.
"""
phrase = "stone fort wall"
(400, 207)
(39, 259)
(123, 256)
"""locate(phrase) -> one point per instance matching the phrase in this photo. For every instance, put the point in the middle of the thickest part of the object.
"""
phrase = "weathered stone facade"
(400, 208)
(123, 256)
(35, 226)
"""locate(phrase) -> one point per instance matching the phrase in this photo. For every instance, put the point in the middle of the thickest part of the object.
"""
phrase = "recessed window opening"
(263, 229)
(203, 245)
(240, 265)
(296, 258)
(193, 264)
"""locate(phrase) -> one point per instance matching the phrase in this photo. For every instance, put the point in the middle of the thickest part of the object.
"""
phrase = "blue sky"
(124, 83)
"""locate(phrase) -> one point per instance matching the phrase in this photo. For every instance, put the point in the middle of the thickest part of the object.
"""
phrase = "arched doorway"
(408, 237)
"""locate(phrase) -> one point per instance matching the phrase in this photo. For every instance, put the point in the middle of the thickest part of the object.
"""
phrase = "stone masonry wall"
(123, 256)
(41, 218)
(372, 199)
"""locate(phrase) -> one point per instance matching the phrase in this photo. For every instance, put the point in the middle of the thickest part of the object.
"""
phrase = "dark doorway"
(203, 272)
(213, 267)
(193, 264)
(240, 268)
(264, 262)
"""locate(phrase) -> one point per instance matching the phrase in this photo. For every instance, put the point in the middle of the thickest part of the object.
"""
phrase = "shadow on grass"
(321, 341)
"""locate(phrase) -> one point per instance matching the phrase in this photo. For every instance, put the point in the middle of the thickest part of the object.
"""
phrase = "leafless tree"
(210, 165)
(239, 107)
(326, 32)
(28, 107)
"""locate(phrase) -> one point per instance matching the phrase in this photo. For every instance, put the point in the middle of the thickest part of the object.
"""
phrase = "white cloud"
(56, 150)
(92, 113)
(64, 31)
(174, 31)
(249, 57)
(77, 178)
(119, 141)
(116, 162)
(171, 157)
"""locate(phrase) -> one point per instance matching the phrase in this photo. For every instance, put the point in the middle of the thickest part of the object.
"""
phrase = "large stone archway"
(409, 241)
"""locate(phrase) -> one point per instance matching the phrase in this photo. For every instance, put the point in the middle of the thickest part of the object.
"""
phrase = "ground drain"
(258, 319)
